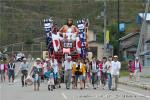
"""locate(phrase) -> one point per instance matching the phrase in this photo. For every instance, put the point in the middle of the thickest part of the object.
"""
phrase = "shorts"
(80, 77)
(37, 80)
(136, 72)
(51, 81)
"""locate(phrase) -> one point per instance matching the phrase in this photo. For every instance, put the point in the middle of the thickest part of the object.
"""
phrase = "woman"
(37, 72)
(88, 76)
(108, 64)
(130, 70)
(99, 73)
(104, 72)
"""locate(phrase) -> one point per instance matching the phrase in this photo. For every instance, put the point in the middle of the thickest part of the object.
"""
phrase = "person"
(50, 73)
(99, 73)
(88, 76)
(79, 72)
(37, 72)
(24, 71)
(54, 65)
(94, 70)
(104, 72)
(137, 69)
(68, 71)
(69, 31)
(46, 64)
(130, 70)
(3, 69)
(11, 70)
(109, 66)
(115, 71)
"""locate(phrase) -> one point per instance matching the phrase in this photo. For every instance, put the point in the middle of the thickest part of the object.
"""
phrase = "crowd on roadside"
(79, 73)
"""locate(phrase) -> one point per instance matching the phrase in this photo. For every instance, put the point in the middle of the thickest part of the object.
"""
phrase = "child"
(50, 74)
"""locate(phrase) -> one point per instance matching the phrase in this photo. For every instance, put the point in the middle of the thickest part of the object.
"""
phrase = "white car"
(20, 56)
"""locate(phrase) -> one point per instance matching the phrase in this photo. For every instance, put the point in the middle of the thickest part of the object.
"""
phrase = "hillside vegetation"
(22, 20)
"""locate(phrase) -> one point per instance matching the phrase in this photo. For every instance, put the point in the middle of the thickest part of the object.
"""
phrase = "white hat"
(24, 59)
(137, 58)
(115, 56)
(38, 59)
(69, 57)
(47, 59)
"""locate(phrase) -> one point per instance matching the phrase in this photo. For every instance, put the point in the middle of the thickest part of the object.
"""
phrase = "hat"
(115, 56)
(69, 57)
(24, 59)
(47, 59)
(38, 59)
(137, 58)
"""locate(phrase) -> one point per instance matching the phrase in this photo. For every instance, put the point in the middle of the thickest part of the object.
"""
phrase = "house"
(128, 45)
(97, 48)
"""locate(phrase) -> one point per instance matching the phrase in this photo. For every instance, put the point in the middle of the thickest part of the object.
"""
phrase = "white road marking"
(65, 97)
(136, 93)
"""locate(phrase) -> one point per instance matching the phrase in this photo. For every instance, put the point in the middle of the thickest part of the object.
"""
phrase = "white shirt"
(1, 66)
(68, 65)
(104, 67)
(45, 67)
(24, 66)
(137, 65)
(109, 66)
(54, 65)
(115, 70)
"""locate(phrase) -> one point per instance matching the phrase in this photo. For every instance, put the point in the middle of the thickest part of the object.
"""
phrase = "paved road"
(16, 92)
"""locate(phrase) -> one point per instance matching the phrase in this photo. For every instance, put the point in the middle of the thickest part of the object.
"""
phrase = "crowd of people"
(79, 73)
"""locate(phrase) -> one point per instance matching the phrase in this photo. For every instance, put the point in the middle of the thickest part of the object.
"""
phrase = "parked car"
(20, 56)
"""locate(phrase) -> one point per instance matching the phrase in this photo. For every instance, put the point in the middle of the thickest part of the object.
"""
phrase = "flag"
(56, 42)
(107, 37)
(78, 45)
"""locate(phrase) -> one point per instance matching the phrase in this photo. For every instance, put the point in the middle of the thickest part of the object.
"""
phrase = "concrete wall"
(92, 36)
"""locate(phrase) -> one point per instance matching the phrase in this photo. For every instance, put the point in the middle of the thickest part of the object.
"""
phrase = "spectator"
(11, 70)
(130, 70)
(3, 69)
(137, 69)
(115, 71)
(24, 71)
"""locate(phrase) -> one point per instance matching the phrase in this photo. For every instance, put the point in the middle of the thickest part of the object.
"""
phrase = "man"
(24, 71)
(137, 68)
(115, 71)
(69, 31)
(68, 71)
(11, 70)
(79, 72)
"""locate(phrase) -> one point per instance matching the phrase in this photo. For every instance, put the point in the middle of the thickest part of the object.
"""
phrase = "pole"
(105, 22)
(118, 21)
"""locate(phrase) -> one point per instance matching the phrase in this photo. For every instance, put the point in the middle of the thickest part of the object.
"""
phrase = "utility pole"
(118, 22)
(105, 24)
(140, 43)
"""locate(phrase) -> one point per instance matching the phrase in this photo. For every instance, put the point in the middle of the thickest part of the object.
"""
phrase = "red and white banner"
(78, 45)
(56, 42)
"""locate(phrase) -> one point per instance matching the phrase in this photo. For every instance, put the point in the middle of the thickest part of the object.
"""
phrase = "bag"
(29, 80)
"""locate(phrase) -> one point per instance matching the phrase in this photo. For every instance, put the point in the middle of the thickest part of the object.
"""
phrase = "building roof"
(128, 35)
(142, 15)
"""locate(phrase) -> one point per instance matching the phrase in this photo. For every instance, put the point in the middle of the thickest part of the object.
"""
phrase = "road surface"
(15, 91)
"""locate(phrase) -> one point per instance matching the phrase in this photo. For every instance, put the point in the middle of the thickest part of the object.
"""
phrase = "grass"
(124, 73)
